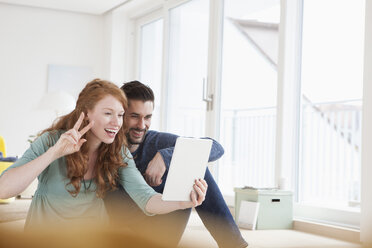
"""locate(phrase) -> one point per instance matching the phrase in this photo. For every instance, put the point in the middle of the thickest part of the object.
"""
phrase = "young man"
(152, 153)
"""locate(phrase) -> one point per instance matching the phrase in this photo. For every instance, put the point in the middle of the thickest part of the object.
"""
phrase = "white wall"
(122, 50)
(30, 39)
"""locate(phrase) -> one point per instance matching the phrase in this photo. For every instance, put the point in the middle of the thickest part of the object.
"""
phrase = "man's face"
(138, 120)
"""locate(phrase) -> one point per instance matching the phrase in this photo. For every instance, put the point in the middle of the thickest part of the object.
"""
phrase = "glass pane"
(249, 88)
(332, 78)
(187, 68)
(151, 52)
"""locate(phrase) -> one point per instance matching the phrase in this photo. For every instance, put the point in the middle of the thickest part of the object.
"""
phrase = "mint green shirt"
(53, 204)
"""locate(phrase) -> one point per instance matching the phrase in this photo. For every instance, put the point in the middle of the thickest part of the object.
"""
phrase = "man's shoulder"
(152, 134)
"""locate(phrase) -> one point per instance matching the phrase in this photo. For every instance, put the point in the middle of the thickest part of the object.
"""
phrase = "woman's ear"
(87, 115)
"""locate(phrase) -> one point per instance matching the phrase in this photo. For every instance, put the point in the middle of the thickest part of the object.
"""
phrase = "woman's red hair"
(109, 157)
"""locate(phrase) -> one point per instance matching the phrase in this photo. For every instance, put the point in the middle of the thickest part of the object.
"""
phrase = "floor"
(262, 238)
(196, 234)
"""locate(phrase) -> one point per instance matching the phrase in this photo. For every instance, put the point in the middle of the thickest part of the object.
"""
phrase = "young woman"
(79, 158)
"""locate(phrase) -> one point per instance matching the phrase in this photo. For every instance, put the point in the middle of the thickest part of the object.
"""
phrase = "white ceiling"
(96, 7)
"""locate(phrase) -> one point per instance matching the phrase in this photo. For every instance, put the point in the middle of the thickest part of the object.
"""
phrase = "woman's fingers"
(194, 199)
(81, 142)
(75, 133)
(202, 184)
(71, 141)
(86, 128)
(198, 195)
(69, 138)
(201, 194)
(72, 133)
(78, 124)
(79, 121)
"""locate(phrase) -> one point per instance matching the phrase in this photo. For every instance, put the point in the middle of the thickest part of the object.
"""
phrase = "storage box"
(276, 207)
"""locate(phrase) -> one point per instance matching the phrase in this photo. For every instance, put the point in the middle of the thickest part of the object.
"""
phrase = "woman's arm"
(146, 197)
(156, 205)
(18, 177)
(16, 180)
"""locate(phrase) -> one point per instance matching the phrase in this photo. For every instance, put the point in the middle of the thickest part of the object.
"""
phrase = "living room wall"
(32, 38)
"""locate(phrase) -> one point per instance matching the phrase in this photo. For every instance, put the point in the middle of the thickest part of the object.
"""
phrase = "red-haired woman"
(79, 158)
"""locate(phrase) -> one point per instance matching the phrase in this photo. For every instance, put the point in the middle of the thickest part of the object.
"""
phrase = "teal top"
(53, 204)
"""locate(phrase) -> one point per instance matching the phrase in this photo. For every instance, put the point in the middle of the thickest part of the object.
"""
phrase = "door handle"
(207, 98)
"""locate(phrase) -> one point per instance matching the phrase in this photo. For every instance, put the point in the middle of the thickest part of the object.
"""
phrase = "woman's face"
(108, 119)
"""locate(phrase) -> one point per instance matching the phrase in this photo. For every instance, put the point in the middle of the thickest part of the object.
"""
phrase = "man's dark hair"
(135, 90)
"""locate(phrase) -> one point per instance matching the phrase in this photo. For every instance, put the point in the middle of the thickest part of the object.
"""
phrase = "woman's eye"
(121, 115)
(107, 113)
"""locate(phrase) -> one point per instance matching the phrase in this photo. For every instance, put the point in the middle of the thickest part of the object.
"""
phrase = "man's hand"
(155, 170)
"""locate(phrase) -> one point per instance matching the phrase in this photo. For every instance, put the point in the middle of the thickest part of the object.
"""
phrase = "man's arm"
(164, 144)
(216, 152)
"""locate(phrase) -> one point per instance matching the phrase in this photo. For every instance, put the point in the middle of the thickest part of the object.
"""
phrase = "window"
(150, 67)
(187, 67)
(287, 93)
(248, 94)
(331, 82)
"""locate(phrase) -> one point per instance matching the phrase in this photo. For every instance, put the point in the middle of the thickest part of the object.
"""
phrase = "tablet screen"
(189, 162)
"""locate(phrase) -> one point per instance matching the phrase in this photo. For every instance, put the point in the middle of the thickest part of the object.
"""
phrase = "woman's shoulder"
(48, 138)
(126, 155)
(125, 152)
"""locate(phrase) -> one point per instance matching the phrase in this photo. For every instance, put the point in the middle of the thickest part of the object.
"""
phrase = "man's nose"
(141, 124)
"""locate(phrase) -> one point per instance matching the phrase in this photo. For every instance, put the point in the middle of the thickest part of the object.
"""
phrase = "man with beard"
(152, 153)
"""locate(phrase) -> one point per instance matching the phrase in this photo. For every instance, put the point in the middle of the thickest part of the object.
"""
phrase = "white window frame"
(288, 100)
(366, 202)
(289, 119)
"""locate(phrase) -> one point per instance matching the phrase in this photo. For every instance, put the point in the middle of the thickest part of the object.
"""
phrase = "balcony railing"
(330, 158)
(248, 137)
(330, 151)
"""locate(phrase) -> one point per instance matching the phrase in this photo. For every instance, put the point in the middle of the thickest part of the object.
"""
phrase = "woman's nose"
(116, 120)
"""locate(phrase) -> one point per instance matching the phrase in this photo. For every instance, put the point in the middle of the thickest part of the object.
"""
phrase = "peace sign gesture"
(71, 141)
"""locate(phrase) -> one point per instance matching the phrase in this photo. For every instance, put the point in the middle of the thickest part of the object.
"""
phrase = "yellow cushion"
(2, 146)
(3, 167)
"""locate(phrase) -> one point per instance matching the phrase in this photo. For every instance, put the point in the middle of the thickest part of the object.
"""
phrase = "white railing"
(330, 151)
(248, 137)
(330, 158)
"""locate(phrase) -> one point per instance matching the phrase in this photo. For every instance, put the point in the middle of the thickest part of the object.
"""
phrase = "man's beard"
(135, 142)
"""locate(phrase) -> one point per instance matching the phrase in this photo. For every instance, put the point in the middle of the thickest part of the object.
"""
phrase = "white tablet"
(189, 162)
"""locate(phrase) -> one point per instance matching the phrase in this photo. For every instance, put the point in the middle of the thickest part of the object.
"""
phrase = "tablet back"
(189, 162)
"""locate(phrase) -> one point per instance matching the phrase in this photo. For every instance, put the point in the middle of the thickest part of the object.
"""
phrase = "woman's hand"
(197, 195)
(71, 141)
(156, 205)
